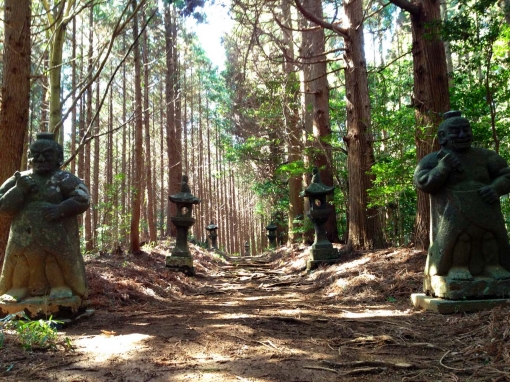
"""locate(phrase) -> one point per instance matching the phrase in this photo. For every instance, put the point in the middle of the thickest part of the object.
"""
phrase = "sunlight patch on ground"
(376, 313)
(105, 346)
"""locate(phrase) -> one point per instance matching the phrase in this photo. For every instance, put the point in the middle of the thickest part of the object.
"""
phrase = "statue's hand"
(488, 194)
(25, 183)
(450, 161)
(52, 212)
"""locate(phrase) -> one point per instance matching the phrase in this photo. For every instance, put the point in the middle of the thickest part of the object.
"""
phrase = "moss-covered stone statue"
(43, 267)
(469, 253)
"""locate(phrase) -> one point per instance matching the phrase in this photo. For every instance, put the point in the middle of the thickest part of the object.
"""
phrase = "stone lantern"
(322, 251)
(271, 234)
(213, 234)
(247, 248)
(180, 260)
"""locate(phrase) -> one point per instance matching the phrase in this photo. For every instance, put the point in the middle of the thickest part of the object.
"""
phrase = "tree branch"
(407, 6)
(341, 31)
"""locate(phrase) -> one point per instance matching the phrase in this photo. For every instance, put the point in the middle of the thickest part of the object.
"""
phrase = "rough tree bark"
(138, 141)
(292, 126)
(364, 229)
(317, 85)
(430, 95)
(15, 95)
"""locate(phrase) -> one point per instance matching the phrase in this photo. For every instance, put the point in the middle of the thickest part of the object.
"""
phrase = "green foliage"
(478, 32)
(32, 334)
(393, 126)
(115, 227)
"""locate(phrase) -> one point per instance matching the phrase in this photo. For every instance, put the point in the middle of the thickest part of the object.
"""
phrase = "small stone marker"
(180, 259)
(468, 262)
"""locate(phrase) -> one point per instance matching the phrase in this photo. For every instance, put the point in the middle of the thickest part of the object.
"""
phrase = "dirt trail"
(251, 321)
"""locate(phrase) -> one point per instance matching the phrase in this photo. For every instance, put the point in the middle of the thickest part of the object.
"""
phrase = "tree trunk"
(364, 227)
(292, 127)
(74, 81)
(430, 96)
(86, 165)
(14, 111)
(153, 236)
(318, 86)
(95, 172)
(57, 31)
(138, 141)
(174, 165)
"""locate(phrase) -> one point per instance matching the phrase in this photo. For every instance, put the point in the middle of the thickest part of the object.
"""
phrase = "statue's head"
(45, 154)
(455, 132)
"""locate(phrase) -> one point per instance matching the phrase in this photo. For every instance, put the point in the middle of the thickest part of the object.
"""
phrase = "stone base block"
(324, 253)
(313, 264)
(180, 264)
(478, 288)
(43, 307)
(442, 306)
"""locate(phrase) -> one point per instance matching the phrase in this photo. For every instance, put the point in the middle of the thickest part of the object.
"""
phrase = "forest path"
(249, 321)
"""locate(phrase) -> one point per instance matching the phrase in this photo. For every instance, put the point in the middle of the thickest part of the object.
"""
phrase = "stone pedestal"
(43, 307)
(321, 251)
(180, 264)
(180, 260)
(443, 306)
(477, 288)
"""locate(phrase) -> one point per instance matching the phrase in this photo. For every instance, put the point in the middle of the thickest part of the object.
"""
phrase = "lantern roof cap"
(316, 187)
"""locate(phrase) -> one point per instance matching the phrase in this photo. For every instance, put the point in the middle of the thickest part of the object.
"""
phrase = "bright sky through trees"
(218, 22)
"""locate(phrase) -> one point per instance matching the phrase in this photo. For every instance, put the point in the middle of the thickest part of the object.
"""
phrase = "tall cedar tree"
(138, 142)
(430, 95)
(364, 228)
(291, 113)
(317, 84)
(15, 95)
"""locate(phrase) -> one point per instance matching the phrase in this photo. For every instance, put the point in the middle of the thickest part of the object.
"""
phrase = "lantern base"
(180, 264)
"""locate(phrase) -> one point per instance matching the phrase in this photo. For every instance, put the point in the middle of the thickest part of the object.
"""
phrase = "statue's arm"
(431, 173)
(12, 198)
(76, 200)
(500, 173)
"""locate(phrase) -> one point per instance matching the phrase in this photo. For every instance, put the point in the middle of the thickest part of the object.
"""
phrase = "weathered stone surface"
(454, 289)
(321, 251)
(182, 264)
(469, 242)
(43, 307)
(313, 264)
(180, 258)
(43, 261)
(443, 306)
(271, 234)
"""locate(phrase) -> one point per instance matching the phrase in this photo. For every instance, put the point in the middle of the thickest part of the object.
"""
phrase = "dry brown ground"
(266, 320)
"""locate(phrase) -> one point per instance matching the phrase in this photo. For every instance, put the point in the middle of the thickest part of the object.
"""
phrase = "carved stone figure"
(42, 257)
(469, 253)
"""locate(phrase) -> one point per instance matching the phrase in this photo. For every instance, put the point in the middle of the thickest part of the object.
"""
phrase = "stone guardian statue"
(43, 264)
(469, 253)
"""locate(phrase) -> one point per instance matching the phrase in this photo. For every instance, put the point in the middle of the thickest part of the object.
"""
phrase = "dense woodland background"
(354, 87)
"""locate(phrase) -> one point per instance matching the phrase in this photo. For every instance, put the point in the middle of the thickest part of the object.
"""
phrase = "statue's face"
(458, 137)
(43, 157)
